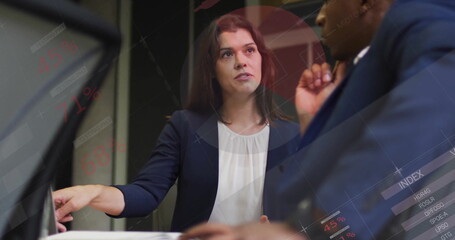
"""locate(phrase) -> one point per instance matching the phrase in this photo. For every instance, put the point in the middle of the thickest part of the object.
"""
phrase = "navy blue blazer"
(392, 115)
(187, 150)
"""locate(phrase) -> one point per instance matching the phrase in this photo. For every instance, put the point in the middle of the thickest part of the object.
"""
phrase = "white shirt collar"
(361, 54)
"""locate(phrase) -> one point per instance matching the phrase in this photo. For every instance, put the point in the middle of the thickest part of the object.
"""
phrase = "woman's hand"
(252, 231)
(315, 86)
(104, 198)
(70, 200)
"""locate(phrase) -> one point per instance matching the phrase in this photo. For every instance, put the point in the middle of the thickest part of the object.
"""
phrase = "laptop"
(49, 230)
(50, 51)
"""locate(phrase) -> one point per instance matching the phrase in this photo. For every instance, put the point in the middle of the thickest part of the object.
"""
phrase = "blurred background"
(148, 82)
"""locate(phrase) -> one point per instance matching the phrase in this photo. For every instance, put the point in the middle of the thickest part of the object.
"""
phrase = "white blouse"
(242, 164)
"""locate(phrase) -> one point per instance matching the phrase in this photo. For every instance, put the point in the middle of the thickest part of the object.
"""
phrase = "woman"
(219, 148)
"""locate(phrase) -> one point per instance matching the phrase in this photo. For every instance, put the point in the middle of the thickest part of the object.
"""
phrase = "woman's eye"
(226, 54)
(251, 50)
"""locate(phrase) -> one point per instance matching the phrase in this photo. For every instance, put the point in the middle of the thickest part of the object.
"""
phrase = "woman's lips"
(243, 76)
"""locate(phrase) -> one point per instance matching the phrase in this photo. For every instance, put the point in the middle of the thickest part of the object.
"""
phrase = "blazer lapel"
(272, 159)
(207, 132)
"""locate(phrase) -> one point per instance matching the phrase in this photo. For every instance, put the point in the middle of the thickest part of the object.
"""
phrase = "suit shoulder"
(189, 119)
(414, 34)
(286, 125)
(407, 13)
(182, 115)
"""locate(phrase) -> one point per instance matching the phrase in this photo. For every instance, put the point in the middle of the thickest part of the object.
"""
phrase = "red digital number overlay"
(88, 92)
(54, 56)
(347, 236)
(100, 156)
(336, 225)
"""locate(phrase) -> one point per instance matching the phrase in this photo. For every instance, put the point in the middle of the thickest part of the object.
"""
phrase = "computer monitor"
(49, 223)
(50, 52)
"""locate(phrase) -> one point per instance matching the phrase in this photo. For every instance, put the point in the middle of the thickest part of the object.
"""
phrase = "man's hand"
(211, 231)
(264, 219)
(315, 86)
(252, 231)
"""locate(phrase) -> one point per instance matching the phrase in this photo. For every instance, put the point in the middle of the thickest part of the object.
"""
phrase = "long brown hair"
(205, 95)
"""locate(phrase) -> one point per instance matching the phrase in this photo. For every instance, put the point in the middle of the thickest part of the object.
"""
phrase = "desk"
(112, 235)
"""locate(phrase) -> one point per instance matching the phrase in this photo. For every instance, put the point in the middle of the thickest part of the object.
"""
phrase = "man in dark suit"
(382, 129)
(372, 153)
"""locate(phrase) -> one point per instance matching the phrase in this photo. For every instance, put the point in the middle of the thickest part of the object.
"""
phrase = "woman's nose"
(239, 62)
(240, 65)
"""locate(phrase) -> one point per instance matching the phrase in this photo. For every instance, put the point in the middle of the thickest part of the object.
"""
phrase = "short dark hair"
(205, 95)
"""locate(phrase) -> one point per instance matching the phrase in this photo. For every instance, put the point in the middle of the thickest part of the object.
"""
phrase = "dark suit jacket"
(391, 116)
(187, 150)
